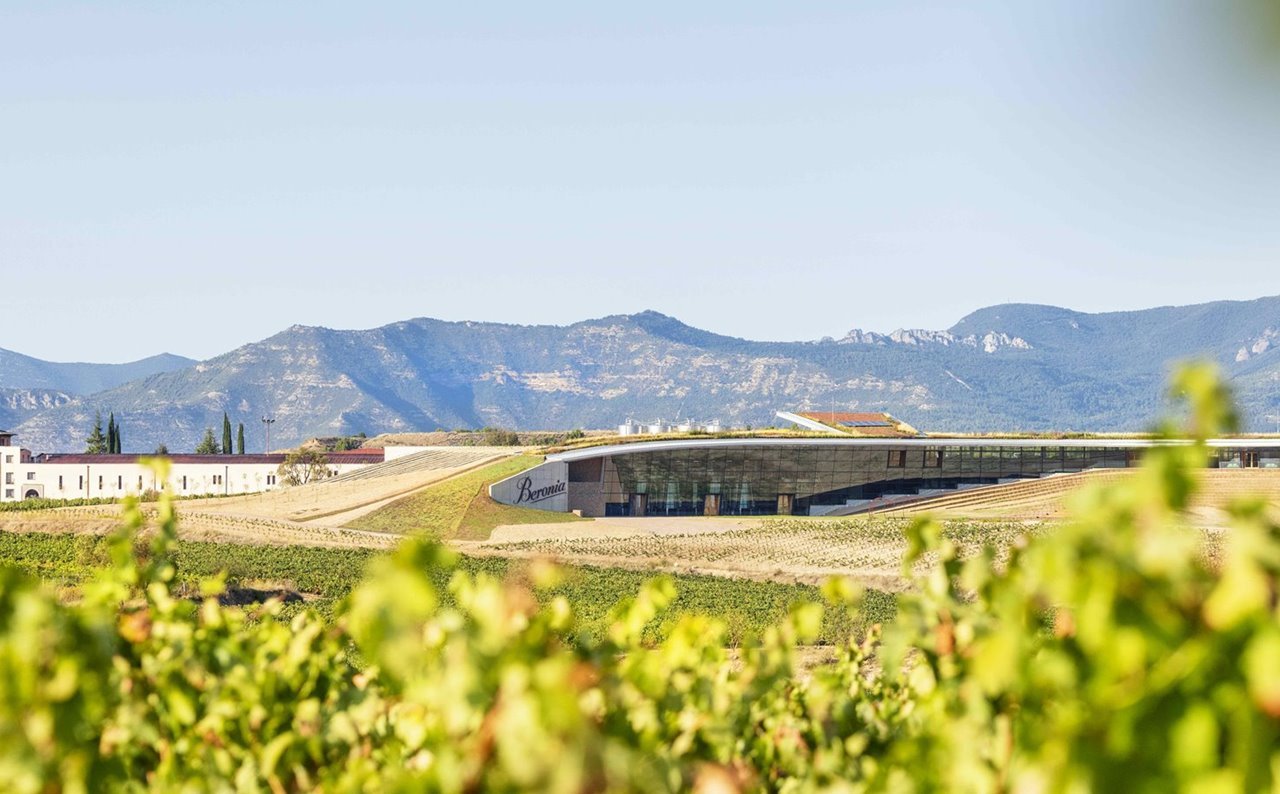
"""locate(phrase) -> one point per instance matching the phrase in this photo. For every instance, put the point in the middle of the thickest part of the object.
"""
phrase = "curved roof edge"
(845, 441)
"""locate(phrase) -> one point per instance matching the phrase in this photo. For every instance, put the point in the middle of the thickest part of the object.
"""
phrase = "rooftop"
(345, 457)
(865, 424)
(841, 441)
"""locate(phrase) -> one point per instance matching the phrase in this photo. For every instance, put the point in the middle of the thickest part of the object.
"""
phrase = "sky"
(190, 177)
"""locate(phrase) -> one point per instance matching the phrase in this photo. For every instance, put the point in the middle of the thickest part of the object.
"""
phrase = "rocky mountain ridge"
(1003, 368)
(989, 342)
(18, 371)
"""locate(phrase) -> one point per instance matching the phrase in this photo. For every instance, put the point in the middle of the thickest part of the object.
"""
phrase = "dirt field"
(867, 548)
(195, 524)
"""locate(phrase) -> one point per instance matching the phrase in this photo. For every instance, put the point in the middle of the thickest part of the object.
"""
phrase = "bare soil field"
(804, 551)
(620, 528)
(197, 524)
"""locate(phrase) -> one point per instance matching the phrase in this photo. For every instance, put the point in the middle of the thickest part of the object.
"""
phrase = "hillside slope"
(24, 372)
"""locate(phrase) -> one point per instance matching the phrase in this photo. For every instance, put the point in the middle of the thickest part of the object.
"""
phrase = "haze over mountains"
(1008, 367)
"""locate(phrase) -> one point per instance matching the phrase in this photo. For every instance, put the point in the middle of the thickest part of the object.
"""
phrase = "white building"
(74, 476)
(632, 428)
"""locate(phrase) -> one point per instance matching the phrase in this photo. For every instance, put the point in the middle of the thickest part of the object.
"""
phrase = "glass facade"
(816, 478)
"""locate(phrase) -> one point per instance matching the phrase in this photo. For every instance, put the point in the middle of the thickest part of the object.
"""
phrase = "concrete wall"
(587, 497)
(544, 487)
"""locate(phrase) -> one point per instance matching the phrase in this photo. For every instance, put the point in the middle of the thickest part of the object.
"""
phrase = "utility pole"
(267, 422)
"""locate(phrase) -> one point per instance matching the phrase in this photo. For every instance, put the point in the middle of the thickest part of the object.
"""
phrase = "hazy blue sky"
(192, 176)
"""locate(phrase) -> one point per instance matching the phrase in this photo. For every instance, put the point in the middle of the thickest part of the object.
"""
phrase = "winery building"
(860, 461)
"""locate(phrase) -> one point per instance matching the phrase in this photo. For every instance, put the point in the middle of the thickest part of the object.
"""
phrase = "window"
(120, 482)
(31, 475)
(8, 493)
(80, 487)
(59, 482)
(897, 458)
(8, 459)
(139, 482)
(933, 459)
(184, 482)
(99, 482)
(271, 479)
(8, 478)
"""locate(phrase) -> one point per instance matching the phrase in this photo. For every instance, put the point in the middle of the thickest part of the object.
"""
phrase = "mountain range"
(1004, 368)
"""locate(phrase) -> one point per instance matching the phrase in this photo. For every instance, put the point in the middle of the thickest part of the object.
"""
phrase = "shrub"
(498, 437)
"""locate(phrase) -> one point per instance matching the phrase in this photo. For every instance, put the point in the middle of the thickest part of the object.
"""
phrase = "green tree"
(119, 441)
(208, 445)
(226, 434)
(96, 443)
(111, 434)
(162, 449)
(240, 439)
(302, 466)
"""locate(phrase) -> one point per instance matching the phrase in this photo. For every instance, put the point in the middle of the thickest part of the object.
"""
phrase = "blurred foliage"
(1110, 654)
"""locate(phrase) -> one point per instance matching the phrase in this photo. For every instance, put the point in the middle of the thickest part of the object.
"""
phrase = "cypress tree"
(240, 439)
(226, 434)
(119, 443)
(111, 434)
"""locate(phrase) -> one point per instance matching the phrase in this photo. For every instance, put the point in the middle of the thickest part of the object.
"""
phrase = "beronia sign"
(529, 494)
(544, 487)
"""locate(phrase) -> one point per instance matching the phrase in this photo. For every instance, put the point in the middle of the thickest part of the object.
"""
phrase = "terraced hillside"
(1046, 498)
